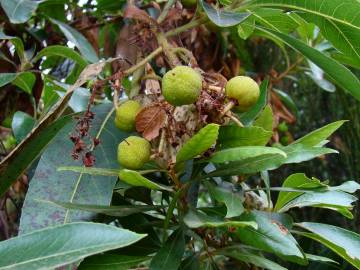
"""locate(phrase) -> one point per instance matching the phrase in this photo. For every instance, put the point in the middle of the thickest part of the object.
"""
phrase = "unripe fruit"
(245, 90)
(125, 115)
(134, 152)
(181, 86)
(282, 127)
(284, 140)
(189, 3)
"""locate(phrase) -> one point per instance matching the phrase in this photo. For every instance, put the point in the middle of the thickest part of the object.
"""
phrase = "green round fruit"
(245, 90)
(181, 85)
(9, 142)
(134, 152)
(189, 3)
(282, 127)
(284, 140)
(126, 114)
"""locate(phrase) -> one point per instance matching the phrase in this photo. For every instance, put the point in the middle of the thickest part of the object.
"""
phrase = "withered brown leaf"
(150, 120)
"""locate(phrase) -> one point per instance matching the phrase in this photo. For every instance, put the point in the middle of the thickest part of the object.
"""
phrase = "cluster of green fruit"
(180, 86)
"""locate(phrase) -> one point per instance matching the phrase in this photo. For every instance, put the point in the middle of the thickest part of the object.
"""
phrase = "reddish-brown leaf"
(150, 120)
(132, 12)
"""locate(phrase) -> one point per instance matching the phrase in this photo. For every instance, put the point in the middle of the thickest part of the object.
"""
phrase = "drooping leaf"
(339, 73)
(223, 18)
(235, 136)
(343, 242)
(170, 254)
(316, 258)
(196, 219)
(246, 27)
(199, 143)
(79, 40)
(50, 185)
(62, 51)
(232, 200)
(19, 11)
(134, 178)
(22, 124)
(271, 237)
(17, 42)
(111, 262)
(244, 153)
(60, 245)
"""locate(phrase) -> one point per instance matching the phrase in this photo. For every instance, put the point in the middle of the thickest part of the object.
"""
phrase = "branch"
(186, 27)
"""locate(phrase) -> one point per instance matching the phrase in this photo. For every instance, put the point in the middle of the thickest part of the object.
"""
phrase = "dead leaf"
(132, 12)
(150, 120)
(151, 86)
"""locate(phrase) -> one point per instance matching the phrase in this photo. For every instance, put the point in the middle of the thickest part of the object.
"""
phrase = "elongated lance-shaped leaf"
(134, 178)
(60, 245)
(48, 184)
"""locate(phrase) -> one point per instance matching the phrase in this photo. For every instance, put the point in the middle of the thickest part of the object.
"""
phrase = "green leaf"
(340, 74)
(6, 78)
(270, 237)
(170, 254)
(287, 100)
(316, 137)
(57, 246)
(114, 211)
(334, 200)
(62, 51)
(49, 185)
(232, 200)
(316, 258)
(253, 259)
(223, 18)
(19, 11)
(275, 19)
(343, 242)
(345, 12)
(196, 219)
(111, 262)
(90, 170)
(18, 44)
(244, 153)
(22, 124)
(235, 136)
(79, 40)
(265, 119)
(246, 28)
(25, 81)
(249, 116)
(297, 180)
(134, 178)
(348, 186)
(199, 143)
(17, 164)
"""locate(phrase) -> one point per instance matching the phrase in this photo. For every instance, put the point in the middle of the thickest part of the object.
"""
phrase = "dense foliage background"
(63, 63)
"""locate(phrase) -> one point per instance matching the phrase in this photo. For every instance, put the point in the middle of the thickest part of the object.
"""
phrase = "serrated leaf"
(196, 219)
(170, 255)
(134, 178)
(79, 40)
(56, 246)
(235, 136)
(243, 153)
(343, 242)
(48, 184)
(223, 18)
(199, 143)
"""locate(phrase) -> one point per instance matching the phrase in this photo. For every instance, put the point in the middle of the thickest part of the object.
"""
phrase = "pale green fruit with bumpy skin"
(245, 90)
(181, 86)
(189, 3)
(134, 152)
(126, 114)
